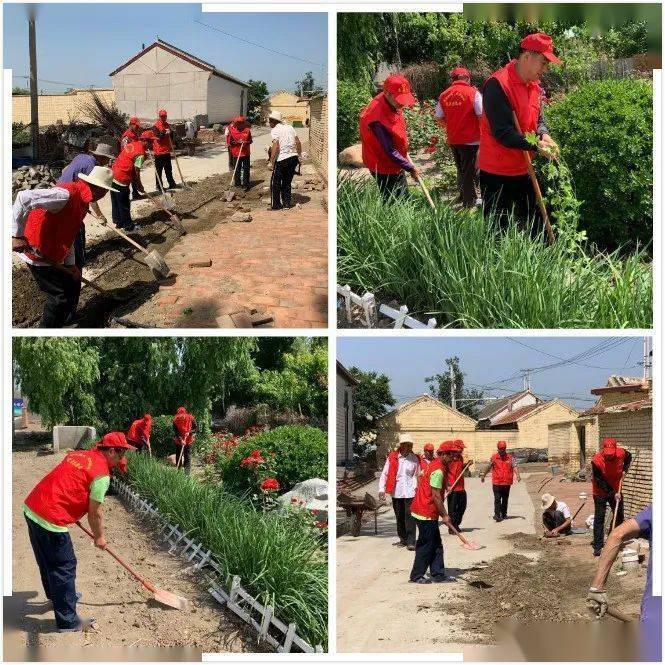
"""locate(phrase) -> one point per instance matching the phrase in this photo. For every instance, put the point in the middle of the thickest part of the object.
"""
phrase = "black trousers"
(120, 208)
(280, 182)
(242, 171)
(56, 560)
(456, 507)
(429, 551)
(555, 519)
(600, 504)
(163, 164)
(62, 293)
(392, 184)
(186, 457)
(79, 248)
(467, 173)
(406, 527)
(501, 493)
(504, 195)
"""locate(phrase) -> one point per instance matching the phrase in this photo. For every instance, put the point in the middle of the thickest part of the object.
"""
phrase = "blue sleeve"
(386, 142)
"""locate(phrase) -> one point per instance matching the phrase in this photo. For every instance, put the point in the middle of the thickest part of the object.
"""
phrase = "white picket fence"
(237, 599)
(368, 303)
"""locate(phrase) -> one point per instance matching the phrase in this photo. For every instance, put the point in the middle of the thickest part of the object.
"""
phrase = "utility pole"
(453, 401)
(526, 376)
(34, 101)
(646, 360)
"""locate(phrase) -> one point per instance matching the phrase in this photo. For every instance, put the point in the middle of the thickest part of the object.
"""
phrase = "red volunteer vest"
(423, 501)
(453, 470)
(462, 124)
(123, 167)
(611, 470)
(62, 496)
(162, 146)
(127, 137)
(53, 233)
(524, 99)
(391, 479)
(502, 469)
(139, 430)
(239, 135)
(183, 423)
(374, 157)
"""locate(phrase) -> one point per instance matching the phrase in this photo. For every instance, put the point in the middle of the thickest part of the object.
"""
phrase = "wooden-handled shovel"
(425, 191)
(461, 473)
(616, 506)
(177, 163)
(154, 260)
(230, 194)
(174, 218)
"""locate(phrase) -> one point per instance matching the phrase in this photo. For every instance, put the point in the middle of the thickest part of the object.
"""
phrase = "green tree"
(256, 94)
(371, 399)
(18, 90)
(440, 387)
(306, 86)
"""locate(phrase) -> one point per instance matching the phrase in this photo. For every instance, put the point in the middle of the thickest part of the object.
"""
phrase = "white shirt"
(405, 483)
(286, 136)
(53, 200)
(477, 109)
(563, 507)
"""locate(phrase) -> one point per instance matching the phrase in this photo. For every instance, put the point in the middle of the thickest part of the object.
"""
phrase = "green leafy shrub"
(295, 453)
(351, 99)
(161, 437)
(605, 133)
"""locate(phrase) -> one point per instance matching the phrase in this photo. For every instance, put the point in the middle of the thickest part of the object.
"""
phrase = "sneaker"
(597, 552)
(411, 548)
(422, 580)
(84, 625)
(438, 579)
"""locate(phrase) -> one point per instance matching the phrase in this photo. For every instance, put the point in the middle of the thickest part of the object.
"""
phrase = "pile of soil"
(524, 541)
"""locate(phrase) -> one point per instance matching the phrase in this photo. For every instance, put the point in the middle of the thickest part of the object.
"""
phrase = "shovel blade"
(157, 264)
(170, 599)
(230, 195)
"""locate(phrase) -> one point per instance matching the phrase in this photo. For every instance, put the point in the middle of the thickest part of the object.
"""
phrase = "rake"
(467, 544)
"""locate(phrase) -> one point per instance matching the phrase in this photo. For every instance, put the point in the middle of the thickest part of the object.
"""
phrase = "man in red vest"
(127, 170)
(161, 149)
(132, 133)
(503, 469)
(514, 90)
(608, 468)
(184, 428)
(427, 456)
(138, 433)
(240, 138)
(459, 109)
(385, 144)
(426, 508)
(456, 498)
(75, 487)
(398, 479)
(45, 223)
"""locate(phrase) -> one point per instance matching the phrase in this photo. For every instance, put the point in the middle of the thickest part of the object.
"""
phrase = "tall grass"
(279, 560)
(456, 266)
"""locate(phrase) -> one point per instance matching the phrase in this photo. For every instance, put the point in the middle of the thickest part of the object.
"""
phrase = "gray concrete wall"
(225, 100)
(70, 436)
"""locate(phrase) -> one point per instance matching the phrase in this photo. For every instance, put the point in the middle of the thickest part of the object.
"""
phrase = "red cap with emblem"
(400, 89)
(460, 71)
(114, 440)
(541, 43)
(609, 447)
(501, 445)
(162, 113)
(133, 120)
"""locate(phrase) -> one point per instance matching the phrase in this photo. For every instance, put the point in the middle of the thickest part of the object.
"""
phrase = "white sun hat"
(100, 176)
(405, 438)
(547, 501)
(275, 115)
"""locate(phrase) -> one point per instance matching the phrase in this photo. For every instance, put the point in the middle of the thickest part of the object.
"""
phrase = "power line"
(71, 85)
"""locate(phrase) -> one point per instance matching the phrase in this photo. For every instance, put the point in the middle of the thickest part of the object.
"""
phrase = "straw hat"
(405, 438)
(547, 501)
(104, 150)
(275, 115)
(100, 176)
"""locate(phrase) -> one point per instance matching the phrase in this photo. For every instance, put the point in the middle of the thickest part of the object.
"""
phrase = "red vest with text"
(391, 478)
(502, 469)
(184, 423)
(374, 156)
(239, 136)
(63, 495)
(612, 469)
(524, 99)
(123, 167)
(423, 501)
(162, 146)
(139, 430)
(462, 123)
(127, 137)
(53, 233)
(454, 468)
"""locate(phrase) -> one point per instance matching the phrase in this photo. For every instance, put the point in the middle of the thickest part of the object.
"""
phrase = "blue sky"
(82, 43)
(486, 360)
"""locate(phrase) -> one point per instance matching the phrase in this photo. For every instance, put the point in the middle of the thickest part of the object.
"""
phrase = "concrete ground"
(379, 610)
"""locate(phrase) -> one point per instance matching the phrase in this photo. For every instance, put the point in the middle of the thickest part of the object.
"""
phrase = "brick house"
(345, 385)
(294, 109)
(318, 132)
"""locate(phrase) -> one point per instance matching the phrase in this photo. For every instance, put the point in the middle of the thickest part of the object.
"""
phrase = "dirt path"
(126, 614)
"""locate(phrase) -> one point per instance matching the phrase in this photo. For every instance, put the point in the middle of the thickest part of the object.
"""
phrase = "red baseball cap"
(541, 43)
(460, 71)
(133, 120)
(501, 445)
(239, 118)
(609, 447)
(428, 446)
(114, 440)
(446, 447)
(147, 136)
(162, 113)
(459, 444)
(400, 89)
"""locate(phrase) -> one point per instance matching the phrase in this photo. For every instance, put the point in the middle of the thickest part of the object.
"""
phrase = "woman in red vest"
(240, 138)
(383, 134)
(459, 109)
(161, 148)
(426, 508)
(503, 469)
(132, 133)
(74, 488)
(45, 223)
(184, 426)
(608, 466)
(127, 170)
(455, 485)
(504, 180)
(138, 433)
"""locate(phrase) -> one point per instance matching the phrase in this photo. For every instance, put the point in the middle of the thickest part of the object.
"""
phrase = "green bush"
(605, 132)
(161, 437)
(351, 99)
(299, 453)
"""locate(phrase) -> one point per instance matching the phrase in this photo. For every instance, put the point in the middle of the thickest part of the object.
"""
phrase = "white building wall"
(525, 400)
(226, 100)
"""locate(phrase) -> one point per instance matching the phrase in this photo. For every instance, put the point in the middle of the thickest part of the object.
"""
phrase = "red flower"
(321, 525)
(269, 485)
(256, 453)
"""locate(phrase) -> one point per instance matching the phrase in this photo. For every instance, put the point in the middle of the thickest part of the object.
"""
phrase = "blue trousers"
(55, 557)
(429, 550)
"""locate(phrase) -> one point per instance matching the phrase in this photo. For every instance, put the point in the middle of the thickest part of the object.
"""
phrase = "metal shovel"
(174, 218)
(154, 260)
(231, 193)
(467, 544)
(160, 595)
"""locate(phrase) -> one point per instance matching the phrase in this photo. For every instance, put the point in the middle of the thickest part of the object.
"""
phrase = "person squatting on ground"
(162, 146)
(608, 466)
(640, 526)
(75, 487)
(456, 493)
(285, 157)
(83, 164)
(426, 508)
(138, 434)
(240, 139)
(384, 137)
(398, 479)
(45, 223)
(503, 469)
(458, 110)
(184, 428)
(504, 179)
(557, 518)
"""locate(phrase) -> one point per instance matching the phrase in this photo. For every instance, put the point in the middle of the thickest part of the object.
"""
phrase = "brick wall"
(53, 108)
(534, 429)
(318, 132)
(560, 442)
